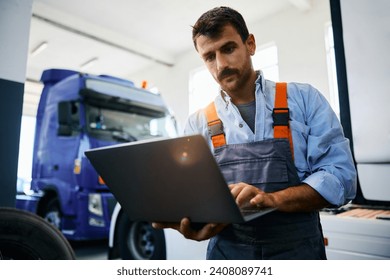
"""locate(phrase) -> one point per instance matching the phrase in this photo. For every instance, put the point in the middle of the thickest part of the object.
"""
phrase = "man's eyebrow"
(229, 44)
(226, 44)
(206, 54)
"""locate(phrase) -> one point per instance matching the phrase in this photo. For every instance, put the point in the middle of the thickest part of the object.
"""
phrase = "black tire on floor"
(52, 212)
(26, 236)
(140, 241)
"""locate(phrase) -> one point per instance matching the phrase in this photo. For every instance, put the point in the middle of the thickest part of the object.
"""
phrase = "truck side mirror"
(67, 118)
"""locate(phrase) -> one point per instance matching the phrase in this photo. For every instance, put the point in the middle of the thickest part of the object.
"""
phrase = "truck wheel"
(26, 236)
(52, 212)
(140, 241)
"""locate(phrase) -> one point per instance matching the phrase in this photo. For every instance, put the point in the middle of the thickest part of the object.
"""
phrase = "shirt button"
(240, 125)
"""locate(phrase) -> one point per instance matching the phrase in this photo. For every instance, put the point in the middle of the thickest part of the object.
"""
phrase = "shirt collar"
(260, 80)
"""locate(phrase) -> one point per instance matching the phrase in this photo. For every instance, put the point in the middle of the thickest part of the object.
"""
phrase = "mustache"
(227, 72)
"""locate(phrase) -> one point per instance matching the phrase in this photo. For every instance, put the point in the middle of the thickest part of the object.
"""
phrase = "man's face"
(227, 58)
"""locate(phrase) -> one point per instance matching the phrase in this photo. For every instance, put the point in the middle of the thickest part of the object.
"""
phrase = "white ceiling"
(124, 36)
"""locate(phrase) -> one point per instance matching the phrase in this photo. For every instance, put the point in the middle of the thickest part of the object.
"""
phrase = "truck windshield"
(109, 124)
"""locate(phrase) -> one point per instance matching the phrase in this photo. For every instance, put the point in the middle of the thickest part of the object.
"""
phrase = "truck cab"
(76, 112)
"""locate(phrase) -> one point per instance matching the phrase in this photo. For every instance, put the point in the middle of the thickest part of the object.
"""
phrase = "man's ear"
(251, 44)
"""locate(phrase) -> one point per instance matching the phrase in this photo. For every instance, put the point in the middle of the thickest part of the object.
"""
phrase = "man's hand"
(184, 227)
(248, 196)
(301, 198)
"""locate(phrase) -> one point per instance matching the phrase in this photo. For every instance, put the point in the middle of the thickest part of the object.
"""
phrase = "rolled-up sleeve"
(331, 169)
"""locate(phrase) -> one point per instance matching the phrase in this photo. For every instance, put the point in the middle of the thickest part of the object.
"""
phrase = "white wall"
(300, 38)
(14, 19)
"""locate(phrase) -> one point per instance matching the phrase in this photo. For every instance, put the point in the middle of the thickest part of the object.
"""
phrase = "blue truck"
(76, 112)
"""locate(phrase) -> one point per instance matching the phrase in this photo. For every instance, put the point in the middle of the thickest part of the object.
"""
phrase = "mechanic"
(278, 145)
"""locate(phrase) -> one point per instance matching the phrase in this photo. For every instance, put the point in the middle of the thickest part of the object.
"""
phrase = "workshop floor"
(91, 250)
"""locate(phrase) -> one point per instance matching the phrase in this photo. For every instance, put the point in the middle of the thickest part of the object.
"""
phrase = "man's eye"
(229, 49)
(209, 58)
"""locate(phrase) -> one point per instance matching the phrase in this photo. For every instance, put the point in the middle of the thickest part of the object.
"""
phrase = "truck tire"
(140, 241)
(52, 212)
(26, 236)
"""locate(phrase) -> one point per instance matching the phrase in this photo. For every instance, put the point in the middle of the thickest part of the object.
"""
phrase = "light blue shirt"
(321, 152)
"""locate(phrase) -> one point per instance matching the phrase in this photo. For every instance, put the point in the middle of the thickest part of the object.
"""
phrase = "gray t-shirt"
(248, 113)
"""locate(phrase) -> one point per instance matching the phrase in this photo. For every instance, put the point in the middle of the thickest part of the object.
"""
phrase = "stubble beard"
(235, 83)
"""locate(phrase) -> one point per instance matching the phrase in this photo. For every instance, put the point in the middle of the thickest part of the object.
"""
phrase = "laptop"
(167, 179)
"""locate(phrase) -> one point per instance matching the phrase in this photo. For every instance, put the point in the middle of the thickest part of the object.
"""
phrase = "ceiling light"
(39, 49)
(88, 63)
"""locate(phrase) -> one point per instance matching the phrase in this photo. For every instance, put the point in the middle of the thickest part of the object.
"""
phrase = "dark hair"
(212, 22)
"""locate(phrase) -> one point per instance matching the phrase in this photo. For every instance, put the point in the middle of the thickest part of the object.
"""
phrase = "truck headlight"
(95, 204)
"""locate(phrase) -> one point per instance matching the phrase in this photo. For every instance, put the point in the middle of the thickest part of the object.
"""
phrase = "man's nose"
(221, 62)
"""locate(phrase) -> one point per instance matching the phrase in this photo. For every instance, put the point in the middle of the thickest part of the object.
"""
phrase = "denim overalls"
(269, 166)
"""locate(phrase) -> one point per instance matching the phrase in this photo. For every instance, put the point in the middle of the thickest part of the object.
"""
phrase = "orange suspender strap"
(215, 126)
(281, 115)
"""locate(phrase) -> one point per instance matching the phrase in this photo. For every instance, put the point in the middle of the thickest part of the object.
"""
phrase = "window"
(203, 88)
(266, 59)
(31, 97)
(332, 72)
(26, 146)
